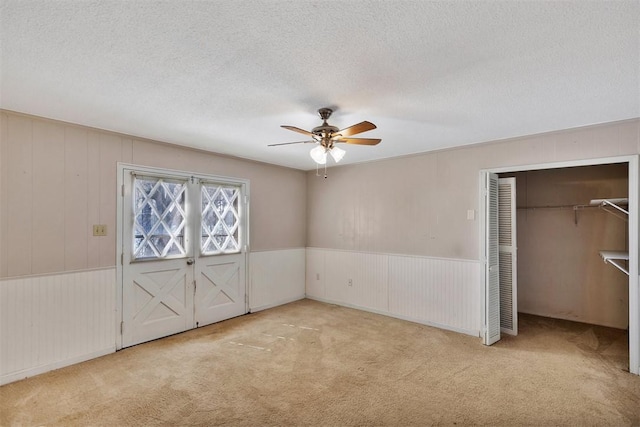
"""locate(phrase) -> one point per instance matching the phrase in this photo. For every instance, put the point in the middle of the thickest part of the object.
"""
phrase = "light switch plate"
(471, 214)
(99, 229)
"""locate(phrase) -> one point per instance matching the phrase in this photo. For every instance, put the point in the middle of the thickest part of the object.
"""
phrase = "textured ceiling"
(223, 75)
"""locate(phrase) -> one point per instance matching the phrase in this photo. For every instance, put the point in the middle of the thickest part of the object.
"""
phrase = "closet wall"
(560, 272)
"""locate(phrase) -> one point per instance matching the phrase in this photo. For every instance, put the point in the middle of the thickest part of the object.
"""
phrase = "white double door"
(183, 252)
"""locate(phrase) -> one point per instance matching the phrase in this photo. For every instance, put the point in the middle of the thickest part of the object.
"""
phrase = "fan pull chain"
(318, 170)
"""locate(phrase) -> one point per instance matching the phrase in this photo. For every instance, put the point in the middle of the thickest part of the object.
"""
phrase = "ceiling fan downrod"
(325, 131)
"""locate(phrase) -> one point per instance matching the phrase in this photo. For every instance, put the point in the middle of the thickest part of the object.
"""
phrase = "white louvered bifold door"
(508, 255)
(492, 279)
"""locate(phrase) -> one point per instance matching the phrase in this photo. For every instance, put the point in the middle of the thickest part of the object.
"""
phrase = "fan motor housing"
(324, 130)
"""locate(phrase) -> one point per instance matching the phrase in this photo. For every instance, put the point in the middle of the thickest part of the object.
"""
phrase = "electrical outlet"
(317, 276)
(350, 282)
(99, 229)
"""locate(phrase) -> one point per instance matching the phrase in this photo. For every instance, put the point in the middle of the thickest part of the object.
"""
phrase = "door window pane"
(159, 218)
(220, 219)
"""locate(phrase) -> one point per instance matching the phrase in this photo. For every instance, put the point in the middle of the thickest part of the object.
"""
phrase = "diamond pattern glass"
(159, 218)
(220, 219)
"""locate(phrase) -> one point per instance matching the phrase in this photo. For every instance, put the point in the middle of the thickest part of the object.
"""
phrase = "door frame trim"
(121, 167)
(634, 248)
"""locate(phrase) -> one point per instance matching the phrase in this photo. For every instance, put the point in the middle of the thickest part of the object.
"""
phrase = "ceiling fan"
(327, 136)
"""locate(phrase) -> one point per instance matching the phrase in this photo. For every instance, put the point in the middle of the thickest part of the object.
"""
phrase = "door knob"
(190, 261)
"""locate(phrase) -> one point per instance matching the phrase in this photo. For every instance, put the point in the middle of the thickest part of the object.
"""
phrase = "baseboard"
(398, 316)
(275, 304)
(26, 373)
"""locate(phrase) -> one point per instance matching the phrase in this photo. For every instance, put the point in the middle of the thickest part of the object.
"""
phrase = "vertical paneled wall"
(357, 279)
(434, 291)
(427, 205)
(442, 292)
(419, 205)
(56, 181)
(276, 277)
(51, 321)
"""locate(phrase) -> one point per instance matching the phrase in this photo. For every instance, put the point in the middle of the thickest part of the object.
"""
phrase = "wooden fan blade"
(359, 128)
(289, 143)
(295, 129)
(360, 141)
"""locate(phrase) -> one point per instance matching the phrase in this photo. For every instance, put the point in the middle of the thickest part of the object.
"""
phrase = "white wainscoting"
(276, 277)
(446, 293)
(51, 321)
(357, 279)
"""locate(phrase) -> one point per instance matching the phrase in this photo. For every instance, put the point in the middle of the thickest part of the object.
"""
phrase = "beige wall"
(57, 180)
(418, 205)
(560, 272)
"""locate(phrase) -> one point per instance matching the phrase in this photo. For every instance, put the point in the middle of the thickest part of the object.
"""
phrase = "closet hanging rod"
(556, 207)
(575, 209)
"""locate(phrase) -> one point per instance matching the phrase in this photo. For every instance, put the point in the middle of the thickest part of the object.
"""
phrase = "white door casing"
(182, 267)
(508, 263)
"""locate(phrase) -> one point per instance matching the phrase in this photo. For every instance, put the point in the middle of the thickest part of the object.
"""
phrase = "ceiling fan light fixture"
(326, 136)
(319, 155)
(337, 153)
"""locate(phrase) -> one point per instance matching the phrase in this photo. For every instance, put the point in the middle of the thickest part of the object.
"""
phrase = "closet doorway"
(577, 245)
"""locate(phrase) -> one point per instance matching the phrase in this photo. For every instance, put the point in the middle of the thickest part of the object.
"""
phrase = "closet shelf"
(612, 203)
(616, 258)
(612, 206)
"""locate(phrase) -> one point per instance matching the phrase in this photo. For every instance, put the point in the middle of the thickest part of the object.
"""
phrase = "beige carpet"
(309, 363)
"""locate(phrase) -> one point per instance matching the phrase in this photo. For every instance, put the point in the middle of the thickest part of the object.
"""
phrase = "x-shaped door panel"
(161, 295)
(157, 298)
(219, 288)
